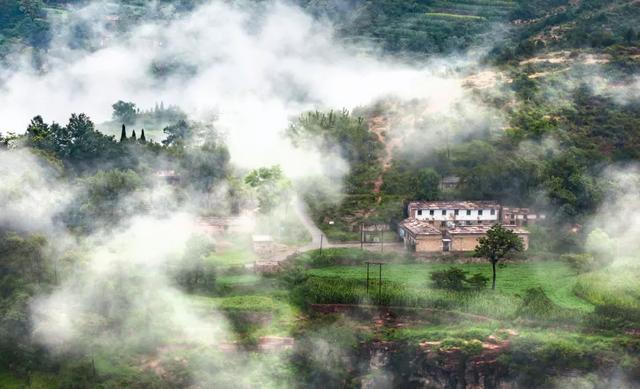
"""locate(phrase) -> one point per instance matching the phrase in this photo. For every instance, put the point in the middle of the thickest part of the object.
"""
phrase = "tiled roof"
(454, 205)
(481, 230)
(420, 227)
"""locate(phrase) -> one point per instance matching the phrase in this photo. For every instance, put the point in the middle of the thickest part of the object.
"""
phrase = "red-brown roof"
(419, 227)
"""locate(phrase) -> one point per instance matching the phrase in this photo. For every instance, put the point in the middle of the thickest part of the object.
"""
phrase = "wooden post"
(381, 240)
(361, 236)
(321, 240)
(380, 284)
(367, 278)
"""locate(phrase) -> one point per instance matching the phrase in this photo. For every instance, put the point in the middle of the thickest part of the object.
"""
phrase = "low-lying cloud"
(253, 67)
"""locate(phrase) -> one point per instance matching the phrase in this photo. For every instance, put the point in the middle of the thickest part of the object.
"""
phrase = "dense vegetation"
(565, 309)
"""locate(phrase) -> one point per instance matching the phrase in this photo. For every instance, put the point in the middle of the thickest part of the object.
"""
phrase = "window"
(468, 222)
(420, 212)
(468, 212)
(431, 212)
(456, 212)
(479, 212)
(493, 211)
(444, 212)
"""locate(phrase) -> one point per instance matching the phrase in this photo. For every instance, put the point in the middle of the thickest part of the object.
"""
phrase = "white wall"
(462, 215)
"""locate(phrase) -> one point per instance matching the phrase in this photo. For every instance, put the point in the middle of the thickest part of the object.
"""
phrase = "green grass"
(242, 303)
(38, 380)
(555, 278)
(235, 256)
(616, 284)
(253, 316)
(240, 279)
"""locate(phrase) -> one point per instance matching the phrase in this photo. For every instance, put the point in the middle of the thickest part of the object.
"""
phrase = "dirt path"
(318, 237)
(379, 125)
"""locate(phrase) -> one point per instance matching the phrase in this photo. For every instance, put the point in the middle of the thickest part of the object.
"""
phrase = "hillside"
(319, 194)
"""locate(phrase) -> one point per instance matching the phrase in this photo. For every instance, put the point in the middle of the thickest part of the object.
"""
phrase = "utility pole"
(367, 278)
(381, 240)
(361, 236)
(380, 284)
(321, 240)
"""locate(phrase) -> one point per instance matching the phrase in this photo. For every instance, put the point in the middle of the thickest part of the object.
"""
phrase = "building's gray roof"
(454, 205)
(482, 229)
(516, 210)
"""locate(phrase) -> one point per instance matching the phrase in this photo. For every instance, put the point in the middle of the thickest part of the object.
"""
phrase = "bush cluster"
(454, 278)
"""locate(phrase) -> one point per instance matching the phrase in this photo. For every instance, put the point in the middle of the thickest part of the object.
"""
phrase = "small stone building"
(420, 236)
(520, 216)
(263, 245)
(465, 238)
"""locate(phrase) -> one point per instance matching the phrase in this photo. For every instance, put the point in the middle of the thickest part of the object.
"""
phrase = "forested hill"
(411, 26)
(565, 83)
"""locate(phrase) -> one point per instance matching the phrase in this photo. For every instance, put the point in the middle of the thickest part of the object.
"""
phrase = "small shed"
(263, 245)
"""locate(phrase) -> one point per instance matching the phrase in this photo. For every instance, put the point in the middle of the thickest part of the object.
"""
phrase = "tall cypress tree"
(142, 137)
(123, 134)
(133, 136)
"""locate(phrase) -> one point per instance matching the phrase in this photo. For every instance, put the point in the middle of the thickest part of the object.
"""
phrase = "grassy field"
(235, 256)
(253, 316)
(555, 278)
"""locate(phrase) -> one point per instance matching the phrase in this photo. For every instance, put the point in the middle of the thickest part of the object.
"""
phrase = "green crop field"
(555, 278)
(232, 257)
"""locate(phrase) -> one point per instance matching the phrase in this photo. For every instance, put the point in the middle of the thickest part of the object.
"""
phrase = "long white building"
(458, 213)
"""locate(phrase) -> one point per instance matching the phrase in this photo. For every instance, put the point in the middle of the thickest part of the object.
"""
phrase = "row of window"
(467, 223)
(456, 212)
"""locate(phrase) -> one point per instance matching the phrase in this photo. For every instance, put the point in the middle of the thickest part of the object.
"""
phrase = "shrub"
(477, 281)
(580, 263)
(452, 278)
(536, 304)
(455, 278)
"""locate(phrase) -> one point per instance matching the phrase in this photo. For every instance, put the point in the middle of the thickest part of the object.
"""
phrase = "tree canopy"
(496, 244)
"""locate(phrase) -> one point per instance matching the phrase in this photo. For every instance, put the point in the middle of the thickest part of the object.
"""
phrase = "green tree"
(271, 186)
(124, 112)
(205, 166)
(194, 271)
(123, 134)
(601, 246)
(25, 271)
(630, 35)
(177, 134)
(498, 242)
(426, 184)
(78, 144)
(350, 134)
(107, 198)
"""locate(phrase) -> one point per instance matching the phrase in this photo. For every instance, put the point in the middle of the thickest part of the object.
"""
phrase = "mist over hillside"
(361, 193)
